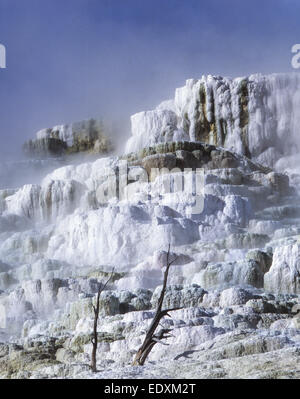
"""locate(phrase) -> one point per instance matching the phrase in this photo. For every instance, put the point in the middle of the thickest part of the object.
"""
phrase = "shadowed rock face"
(44, 147)
(184, 154)
(85, 136)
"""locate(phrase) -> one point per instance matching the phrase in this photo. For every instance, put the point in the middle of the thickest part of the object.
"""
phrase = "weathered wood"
(151, 338)
(94, 339)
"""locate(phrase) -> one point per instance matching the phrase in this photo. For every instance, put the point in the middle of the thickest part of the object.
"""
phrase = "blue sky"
(68, 60)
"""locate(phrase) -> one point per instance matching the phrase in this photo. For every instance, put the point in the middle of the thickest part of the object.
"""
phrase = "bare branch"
(96, 309)
(151, 339)
(158, 341)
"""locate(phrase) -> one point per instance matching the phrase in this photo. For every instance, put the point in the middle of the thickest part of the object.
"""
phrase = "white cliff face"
(256, 115)
(46, 202)
(237, 256)
(284, 275)
(84, 232)
(152, 127)
(62, 221)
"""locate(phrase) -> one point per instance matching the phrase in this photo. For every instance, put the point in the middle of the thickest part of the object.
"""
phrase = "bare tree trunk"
(96, 318)
(151, 338)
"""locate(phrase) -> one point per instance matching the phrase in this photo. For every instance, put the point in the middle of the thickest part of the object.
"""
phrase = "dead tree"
(96, 318)
(151, 338)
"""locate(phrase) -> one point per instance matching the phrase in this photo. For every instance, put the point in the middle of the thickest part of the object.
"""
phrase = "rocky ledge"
(84, 136)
